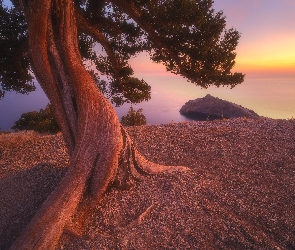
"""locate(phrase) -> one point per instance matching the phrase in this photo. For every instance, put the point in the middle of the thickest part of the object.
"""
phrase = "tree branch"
(89, 29)
(131, 10)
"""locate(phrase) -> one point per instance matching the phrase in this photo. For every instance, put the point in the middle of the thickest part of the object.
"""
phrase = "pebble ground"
(239, 193)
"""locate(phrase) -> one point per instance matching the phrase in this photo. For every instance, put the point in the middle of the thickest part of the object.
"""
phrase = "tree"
(57, 41)
(42, 121)
(133, 118)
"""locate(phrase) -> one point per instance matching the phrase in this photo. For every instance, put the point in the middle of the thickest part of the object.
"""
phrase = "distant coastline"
(269, 97)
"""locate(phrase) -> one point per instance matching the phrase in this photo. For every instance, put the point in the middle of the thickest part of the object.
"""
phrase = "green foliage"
(42, 121)
(14, 59)
(135, 91)
(187, 36)
(191, 40)
(133, 118)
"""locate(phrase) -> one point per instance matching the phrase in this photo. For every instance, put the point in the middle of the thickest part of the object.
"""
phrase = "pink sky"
(267, 43)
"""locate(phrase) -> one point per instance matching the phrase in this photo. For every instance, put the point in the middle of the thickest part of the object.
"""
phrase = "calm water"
(270, 97)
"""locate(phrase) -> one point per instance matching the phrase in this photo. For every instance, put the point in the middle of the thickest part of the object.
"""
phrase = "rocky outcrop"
(211, 108)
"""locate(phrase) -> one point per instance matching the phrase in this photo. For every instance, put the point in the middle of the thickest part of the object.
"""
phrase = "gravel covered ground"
(239, 193)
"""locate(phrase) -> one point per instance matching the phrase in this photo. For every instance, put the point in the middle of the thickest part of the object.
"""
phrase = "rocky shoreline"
(239, 193)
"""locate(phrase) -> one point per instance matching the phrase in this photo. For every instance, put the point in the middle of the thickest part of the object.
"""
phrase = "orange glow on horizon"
(267, 55)
(143, 67)
(265, 67)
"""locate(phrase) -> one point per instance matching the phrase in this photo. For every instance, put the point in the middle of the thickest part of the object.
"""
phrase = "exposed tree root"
(138, 220)
(133, 166)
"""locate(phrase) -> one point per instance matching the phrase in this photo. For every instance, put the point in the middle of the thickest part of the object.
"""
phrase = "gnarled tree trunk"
(101, 152)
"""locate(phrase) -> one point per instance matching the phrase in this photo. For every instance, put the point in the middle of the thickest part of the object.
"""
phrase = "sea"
(272, 97)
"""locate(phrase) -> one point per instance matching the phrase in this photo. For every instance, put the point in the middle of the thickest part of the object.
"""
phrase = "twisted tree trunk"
(101, 152)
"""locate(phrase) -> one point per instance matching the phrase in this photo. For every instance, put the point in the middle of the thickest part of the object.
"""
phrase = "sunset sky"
(267, 43)
(268, 34)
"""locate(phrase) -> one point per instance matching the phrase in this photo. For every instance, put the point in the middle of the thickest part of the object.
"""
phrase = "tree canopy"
(188, 37)
(14, 60)
(76, 47)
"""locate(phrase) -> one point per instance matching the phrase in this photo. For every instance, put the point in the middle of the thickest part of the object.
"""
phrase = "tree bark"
(101, 152)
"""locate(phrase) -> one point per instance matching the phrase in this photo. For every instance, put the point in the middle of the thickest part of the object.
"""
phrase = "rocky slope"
(211, 108)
